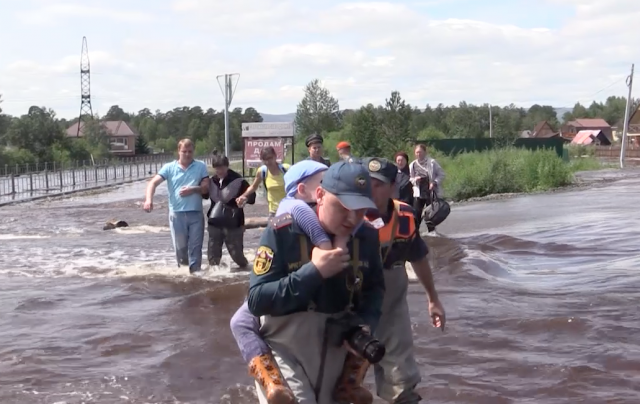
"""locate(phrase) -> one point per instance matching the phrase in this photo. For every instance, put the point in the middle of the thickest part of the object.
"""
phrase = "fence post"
(13, 184)
(73, 177)
(46, 178)
(31, 182)
(95, 174)
(61, 180)
(137, 170)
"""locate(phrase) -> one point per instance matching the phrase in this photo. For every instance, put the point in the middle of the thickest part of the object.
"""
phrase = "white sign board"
(268, 129)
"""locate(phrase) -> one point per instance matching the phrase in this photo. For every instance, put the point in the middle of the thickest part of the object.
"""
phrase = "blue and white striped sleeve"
(305, 217)
(308, 221)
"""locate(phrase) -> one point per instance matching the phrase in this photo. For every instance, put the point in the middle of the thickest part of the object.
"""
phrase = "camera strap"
(355, 261)
(304, 258)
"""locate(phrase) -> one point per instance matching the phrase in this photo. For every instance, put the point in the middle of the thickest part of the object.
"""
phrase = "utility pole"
(490, 122)
(228, 92)
(625, 129)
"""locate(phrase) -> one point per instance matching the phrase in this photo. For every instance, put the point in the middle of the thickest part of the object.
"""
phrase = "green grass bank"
(497, 171)
(508, 170)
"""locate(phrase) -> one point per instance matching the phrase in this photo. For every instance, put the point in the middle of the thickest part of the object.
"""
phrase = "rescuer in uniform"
(344, 150)
(304, 293)
(314, 143)
(397, 374)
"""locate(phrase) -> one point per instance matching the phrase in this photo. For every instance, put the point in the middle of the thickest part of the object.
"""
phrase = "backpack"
(263, 171)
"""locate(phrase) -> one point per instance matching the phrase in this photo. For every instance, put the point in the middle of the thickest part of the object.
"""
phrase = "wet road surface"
(541, 293)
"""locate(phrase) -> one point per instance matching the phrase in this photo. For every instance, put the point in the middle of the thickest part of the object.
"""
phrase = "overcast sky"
(163, 54)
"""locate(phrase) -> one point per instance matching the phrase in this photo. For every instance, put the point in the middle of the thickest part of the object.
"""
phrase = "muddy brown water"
(542, 294)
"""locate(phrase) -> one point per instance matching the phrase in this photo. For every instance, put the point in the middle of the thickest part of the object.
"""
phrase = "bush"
(506, 170)
(576, 151)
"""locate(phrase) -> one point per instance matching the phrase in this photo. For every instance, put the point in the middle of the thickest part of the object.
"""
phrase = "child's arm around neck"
(308, 221)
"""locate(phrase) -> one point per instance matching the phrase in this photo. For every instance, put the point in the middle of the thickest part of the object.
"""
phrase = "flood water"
(542, 295)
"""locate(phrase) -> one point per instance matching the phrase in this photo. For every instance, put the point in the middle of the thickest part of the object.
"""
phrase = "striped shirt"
(305, 217)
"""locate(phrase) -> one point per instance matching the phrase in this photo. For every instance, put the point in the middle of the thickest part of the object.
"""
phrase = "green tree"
(431, 133)
(142, 147)
(97, 138)
(318, 112)
(538, 113)
(115, 113)
(37, 132)
(396, 118)
(215, 137)
(364, 132)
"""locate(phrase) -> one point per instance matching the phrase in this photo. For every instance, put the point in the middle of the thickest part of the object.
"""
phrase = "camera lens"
(374, 352)
(368, 347)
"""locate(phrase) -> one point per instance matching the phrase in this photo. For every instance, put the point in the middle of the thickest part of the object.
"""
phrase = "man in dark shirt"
(397, 375)
(300, 290)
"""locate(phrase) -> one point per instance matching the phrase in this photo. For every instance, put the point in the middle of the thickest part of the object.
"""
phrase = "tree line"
(40, 136)
(396, 125)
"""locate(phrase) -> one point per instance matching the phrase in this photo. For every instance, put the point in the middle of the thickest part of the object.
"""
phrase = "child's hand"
(341, 242)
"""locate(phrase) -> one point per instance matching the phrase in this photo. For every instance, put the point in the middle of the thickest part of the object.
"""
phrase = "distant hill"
(561, 111)
(290, 117)
(279, 118)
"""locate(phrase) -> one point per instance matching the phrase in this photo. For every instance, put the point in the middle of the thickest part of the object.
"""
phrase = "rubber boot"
(349, 389)
(265, 370)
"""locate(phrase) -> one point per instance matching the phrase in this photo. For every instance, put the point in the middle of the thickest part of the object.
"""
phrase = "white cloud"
(362, 51)
(56, 13)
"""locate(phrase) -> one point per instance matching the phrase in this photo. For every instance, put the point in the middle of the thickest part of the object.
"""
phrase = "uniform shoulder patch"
(262, 262)
(281, 221)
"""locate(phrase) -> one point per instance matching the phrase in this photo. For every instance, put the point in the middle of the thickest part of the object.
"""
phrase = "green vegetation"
(40, 136)
(383, 130)
(505, 170)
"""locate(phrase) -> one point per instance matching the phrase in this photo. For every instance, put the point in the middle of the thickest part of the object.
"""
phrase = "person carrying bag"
(225, 217)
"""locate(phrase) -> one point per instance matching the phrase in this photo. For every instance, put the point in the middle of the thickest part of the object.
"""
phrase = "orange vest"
(400, 228)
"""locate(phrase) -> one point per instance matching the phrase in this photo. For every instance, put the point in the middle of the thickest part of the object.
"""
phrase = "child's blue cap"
(298, 173)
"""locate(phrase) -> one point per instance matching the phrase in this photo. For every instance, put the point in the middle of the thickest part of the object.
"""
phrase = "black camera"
(349, 328)
(366, 345)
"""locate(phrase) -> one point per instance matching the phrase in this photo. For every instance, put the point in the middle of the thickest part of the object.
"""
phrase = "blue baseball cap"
(350, 183)
(299, 172)
(381, 169)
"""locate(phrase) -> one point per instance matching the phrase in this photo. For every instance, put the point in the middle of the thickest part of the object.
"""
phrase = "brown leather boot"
(265, 370)
(349, 389)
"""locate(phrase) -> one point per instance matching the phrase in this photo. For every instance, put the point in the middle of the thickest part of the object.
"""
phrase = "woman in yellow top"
(272, 174)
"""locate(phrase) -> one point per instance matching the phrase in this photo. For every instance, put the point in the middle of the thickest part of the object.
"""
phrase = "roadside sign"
(253, 147)
(268, 129)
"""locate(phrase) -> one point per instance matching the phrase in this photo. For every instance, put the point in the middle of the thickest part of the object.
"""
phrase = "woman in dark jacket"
(403, 181)
(402, 161)
(225, 218)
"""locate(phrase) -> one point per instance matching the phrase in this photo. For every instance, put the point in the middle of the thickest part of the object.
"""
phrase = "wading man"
(310, 298)
(397, 375)
(187, 179)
